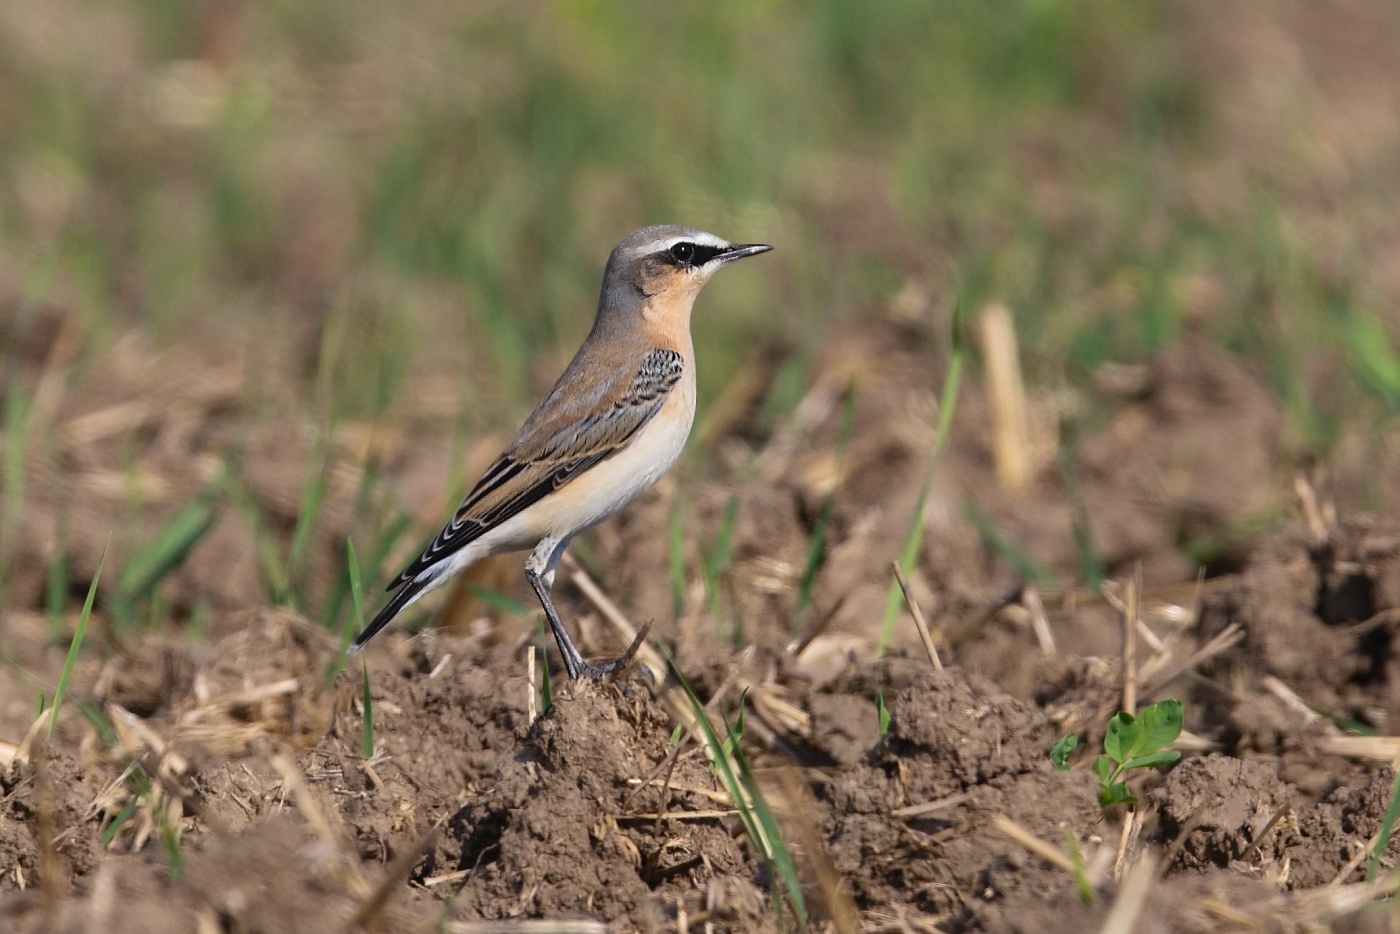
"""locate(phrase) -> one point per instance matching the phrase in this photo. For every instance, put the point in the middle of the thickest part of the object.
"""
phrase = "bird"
(615, 421)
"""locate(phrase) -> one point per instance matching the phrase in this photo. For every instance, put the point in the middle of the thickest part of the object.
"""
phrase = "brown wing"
(556, 444)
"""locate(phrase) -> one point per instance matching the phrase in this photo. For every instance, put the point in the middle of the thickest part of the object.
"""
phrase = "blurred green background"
(429, 189)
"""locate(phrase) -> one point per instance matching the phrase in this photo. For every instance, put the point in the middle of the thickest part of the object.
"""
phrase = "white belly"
(599, 492)
(605, 489)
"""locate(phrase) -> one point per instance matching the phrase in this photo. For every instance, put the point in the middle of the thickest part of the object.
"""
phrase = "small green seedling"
(1064, 748)
(1136, 743)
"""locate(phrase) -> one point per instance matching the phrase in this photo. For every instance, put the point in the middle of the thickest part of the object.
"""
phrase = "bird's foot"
(610, 670)
(604, 672)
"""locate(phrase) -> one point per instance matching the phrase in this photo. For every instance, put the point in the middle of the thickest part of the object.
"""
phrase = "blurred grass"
(169, 158)
(394, 192)
(178, 162)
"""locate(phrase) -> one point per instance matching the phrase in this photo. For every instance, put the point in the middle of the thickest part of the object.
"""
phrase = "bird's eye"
(683, 253)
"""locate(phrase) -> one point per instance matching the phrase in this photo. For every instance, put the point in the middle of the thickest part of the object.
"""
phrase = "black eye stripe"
(690, 254)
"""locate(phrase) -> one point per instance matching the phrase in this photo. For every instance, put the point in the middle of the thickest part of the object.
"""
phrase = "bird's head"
(667, 264)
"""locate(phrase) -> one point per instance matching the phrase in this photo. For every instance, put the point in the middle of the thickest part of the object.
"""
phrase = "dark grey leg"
(539, 571)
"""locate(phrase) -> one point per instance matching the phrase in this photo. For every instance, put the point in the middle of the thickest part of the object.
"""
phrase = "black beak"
(740, 250)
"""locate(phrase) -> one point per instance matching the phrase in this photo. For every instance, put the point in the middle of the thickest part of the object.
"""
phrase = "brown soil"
(238, 744)
(207, 769)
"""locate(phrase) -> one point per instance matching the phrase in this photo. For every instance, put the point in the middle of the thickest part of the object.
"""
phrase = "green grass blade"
(109, 833)
(357, 589)
(816, 546)
(16, 422)
(170, 842)
(1017, 558)
(1091, 567)
(1076, 862)
(100, 724)
(76, 645)
(781, 857)
(150, 564)
(383, 545)
(948, 400)
(728, 760)
(355, 622)
(717, 561)
(1392, 812)
(308, 513)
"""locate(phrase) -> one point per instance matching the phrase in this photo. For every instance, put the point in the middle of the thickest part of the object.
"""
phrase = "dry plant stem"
(651, 659)
(1125, 839)
(970, 628)
(578, 926)
(102, 903)
(1127, 908)
(370, 912)
(530, 706)
(1234, 916)
(1371, 748)
(315, 816)
(819, 627)
(915, 811)
(1330, 902)
(719, 797)
(1191, 824)
(1144, 631)
(1011, 433)
(654, 858)
(845, 919)
(1357, 858)
(1130, 616)
(1312, 510)
(33, 736)
(1267, 829)
(1290, 698)
(1030, 841)
(917, 612)
(657, 817)
(1229, 637)
(1040, 623)
(666, 765)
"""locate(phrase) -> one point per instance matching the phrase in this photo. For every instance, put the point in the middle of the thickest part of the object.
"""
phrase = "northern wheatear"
(611, 426)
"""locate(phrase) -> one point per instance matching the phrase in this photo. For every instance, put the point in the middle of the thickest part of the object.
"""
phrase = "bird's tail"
(409, 592)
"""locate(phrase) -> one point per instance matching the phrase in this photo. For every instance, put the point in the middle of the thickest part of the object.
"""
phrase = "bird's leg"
(539, 571)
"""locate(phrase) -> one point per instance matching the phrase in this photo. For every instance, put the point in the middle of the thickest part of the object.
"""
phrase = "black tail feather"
(391, 609)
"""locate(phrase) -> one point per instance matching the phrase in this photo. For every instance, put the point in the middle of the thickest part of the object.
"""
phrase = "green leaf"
(1163, 757)
(1103, 768)
(1122, 737)
(1158, 727)
(1060, 752)
(882, 712)
(1116, 793)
